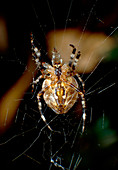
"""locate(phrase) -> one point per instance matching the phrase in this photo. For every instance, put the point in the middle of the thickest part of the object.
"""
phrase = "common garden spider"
(60, 89)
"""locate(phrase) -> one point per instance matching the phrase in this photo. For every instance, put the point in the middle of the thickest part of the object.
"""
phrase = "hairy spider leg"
(72, 64)
(76, 60)
(40, 107)
(82, 102)
(82, 82)
(39, 99)
(35, 52)
(83, 110)
(72, 55)
(35, 83)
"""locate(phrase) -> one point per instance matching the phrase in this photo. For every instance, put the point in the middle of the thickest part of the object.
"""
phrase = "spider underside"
(60, 89)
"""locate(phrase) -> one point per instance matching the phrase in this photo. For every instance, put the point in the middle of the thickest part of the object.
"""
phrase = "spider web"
(29, 142)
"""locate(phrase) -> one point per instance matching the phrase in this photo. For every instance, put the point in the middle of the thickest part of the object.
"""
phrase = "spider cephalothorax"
(60, 89)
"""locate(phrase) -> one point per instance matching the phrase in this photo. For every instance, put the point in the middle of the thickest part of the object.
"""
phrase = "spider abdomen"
(60, 96)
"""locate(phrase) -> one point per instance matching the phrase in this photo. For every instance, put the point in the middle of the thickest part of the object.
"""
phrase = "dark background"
(23, 17)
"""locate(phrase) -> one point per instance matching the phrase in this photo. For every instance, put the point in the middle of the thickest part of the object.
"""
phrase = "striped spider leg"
(36, 56)
(72, 64)
(60, 89)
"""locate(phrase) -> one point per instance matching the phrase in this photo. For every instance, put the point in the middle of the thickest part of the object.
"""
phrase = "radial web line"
(37, 17)
(98, 47)
(94, 69)
(33, 141)
(66, 23)
(106, 88)
(87, 22)
(53, 22)
(99, 80)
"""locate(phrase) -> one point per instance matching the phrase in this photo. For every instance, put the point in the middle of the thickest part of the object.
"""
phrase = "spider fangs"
(60, 89)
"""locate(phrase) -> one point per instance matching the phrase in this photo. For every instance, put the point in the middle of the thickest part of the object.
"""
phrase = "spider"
(60, 89)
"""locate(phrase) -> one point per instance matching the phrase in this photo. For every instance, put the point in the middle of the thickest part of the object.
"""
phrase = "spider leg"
(72, 55)
(82, 102)
(35, 83)
(35, 52)
(40, 108)
(83, 110)
(76, 60)
(82, 82)
(72, 64)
